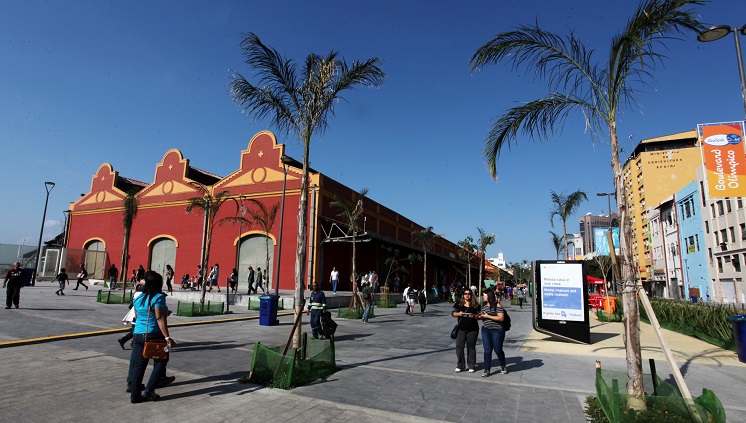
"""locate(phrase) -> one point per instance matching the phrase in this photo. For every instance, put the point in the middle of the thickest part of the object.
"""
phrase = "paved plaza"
(397, 368)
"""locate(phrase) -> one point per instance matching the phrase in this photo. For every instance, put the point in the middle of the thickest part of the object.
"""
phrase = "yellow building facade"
(657, 169)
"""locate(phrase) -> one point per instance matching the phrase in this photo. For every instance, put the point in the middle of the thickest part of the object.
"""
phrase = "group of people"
(412, 297)
(256, 280)
(468, 312)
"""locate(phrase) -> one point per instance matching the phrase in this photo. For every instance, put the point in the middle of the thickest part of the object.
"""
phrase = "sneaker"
(57, 293)
(62, 293)
(458, 369)
(485, 373)
(504, 370)
(471, 370)
(16, 305)
(7, 307)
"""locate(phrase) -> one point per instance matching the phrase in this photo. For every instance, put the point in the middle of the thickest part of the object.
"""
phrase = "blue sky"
(88, 82)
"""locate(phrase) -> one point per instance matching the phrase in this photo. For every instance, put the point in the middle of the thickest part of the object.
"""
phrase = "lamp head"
(715, 33)
(51, 184)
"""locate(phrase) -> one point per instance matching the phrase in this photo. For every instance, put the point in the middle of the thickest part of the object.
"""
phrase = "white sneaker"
(458, 369)
(471, 370)
(503, 370)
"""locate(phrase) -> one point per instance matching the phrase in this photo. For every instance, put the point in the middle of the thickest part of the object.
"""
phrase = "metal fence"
(53, 259)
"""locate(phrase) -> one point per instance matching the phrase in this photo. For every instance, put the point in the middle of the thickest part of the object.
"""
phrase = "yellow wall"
(651, 177)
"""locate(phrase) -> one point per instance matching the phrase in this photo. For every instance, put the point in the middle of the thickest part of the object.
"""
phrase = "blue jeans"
(334, 285)
(138, 365)
(366, 312)
(493, 340)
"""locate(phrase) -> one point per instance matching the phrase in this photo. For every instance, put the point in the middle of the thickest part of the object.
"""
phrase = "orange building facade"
(164, 233)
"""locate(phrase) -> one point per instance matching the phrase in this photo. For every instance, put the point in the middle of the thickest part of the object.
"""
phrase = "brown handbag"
(157, 349)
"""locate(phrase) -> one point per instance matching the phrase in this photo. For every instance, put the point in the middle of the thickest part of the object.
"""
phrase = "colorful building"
(163, 233)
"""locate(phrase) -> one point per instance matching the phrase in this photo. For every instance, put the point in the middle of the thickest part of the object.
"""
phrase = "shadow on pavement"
(205, 346)
(219, 385)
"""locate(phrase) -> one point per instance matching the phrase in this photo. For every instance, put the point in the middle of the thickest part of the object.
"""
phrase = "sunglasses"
(467, 293)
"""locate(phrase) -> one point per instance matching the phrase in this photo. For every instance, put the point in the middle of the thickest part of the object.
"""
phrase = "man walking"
(113, 275)
(334, 279)
(316, 306)
(251, 280)
(14, 282)
(369, 299)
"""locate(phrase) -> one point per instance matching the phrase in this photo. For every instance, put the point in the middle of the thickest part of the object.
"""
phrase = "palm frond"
(539, 117)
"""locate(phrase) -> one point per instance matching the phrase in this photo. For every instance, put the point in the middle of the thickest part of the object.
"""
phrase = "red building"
(163, 233)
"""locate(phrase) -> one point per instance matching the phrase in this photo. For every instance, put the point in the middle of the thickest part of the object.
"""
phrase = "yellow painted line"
(19, 342)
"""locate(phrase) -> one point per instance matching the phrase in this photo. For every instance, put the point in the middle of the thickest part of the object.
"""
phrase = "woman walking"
(493, 333)
(466, 310)
(151, 321)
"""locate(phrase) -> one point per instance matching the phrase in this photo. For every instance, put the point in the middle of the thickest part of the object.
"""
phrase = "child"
(61, 278)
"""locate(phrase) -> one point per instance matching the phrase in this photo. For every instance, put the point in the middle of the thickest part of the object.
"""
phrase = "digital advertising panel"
(602, 241)
(724, 156)
(560, 307)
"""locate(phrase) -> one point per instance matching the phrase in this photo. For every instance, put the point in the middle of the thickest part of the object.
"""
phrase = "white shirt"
(335, 275)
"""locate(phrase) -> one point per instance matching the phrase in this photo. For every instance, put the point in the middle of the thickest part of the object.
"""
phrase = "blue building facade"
(692, 241)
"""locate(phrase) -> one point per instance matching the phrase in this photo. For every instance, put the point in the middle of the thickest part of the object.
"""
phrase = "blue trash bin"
(738, 322)
(694, 299)
(268, 310)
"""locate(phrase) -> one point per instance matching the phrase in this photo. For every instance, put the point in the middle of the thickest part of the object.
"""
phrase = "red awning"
(594, 280)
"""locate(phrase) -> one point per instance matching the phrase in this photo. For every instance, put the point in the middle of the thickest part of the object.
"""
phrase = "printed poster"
(724, 157)
(562, 291)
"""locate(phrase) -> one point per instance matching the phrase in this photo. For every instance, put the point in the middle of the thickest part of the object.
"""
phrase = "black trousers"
(13, 294)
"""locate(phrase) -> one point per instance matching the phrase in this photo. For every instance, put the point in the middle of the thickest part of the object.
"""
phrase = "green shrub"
(706, 321)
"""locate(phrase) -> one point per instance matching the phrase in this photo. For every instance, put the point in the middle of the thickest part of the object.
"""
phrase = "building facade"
(163, 233)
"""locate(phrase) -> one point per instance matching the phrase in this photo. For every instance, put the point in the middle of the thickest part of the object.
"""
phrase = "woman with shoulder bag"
(466, 310)
(151, 324)
(493, 333)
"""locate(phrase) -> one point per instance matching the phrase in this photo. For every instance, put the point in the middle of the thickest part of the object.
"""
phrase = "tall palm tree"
(264, 217)
(351, 212)
(558, 241)
(208, 204)
(598, 91)
(299, 103)
(129, 212)
(425, 237)
(465, 253)
(485, 240)
(564, 207)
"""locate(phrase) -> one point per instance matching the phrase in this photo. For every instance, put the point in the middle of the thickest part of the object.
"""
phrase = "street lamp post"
(49, 186)
(717, 32)
(285, 162)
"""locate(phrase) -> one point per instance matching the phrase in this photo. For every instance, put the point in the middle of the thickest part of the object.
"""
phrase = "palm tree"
(351, 212)
(485, 240)
(129, 213)
(264, 218)
(564, 207)
(209, 204)
(467, 250)
(598, 91)
(301, 104)
(558, 241)
(425, 237)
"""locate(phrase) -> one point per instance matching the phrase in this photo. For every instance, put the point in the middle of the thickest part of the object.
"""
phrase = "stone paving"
(396, 368)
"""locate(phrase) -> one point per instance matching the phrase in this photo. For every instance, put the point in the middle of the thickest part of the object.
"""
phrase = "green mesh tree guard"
(612, 397)
(313, 361)
(113, 297)
(190, 309)
(386, 304)
(351, 313)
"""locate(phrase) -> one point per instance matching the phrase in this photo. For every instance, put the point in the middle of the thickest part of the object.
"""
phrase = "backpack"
(411, 294)
(506, 321)
(422, 296)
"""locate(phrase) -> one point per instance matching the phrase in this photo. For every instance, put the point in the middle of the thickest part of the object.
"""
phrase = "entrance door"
(95, 259)
(253, 252)
(162, 252)
(728, 288)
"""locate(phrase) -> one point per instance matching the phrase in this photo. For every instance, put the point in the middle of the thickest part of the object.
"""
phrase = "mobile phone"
(467, 314)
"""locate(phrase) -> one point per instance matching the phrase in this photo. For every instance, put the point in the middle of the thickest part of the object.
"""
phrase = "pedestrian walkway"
(397, 368)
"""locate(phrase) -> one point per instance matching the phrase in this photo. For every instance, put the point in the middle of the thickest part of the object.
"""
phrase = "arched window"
(253, 252)
(162, 252)
(95, 259)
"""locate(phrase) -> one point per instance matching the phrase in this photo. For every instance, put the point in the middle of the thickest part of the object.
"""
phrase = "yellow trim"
(262, 233)
(90, 240)
(157, 237)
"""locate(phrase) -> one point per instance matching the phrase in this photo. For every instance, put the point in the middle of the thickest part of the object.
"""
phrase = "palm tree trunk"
(125, 261)
(629, 293)
(300, 251)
